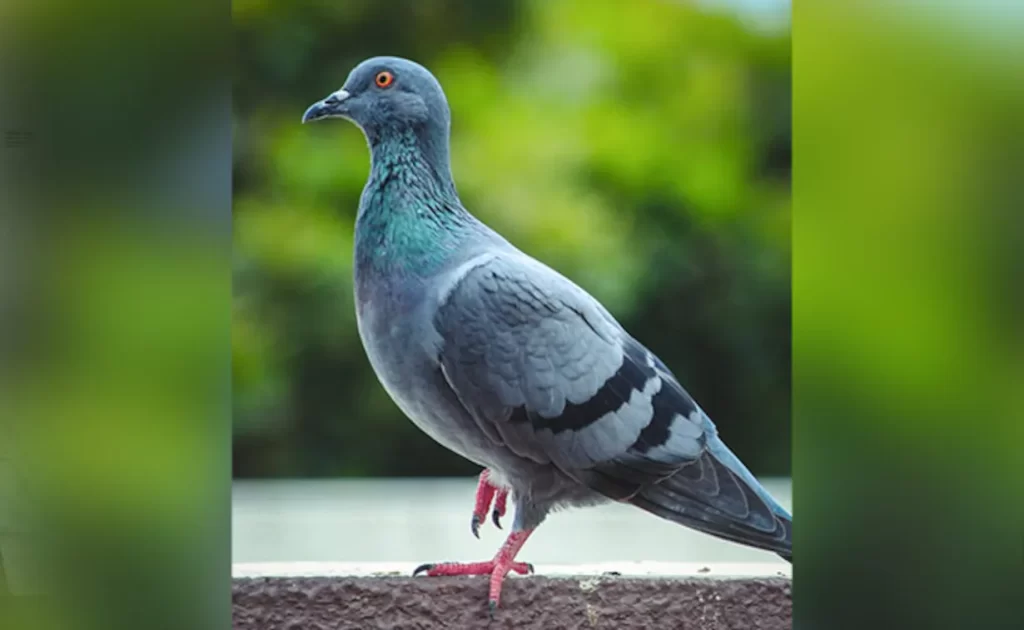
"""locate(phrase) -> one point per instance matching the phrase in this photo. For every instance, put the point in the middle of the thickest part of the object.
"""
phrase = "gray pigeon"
(510, 364)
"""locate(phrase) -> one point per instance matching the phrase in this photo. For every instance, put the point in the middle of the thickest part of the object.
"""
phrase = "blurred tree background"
(642, 148)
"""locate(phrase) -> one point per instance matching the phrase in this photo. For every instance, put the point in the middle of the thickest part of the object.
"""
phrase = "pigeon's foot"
(497, 568)
(488, 567)
(486, 492)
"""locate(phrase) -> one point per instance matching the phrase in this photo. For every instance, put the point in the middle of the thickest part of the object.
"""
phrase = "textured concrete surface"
(398, 603)
(334, 554)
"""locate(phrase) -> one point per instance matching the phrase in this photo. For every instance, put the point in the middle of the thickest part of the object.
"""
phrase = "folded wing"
(547, 372)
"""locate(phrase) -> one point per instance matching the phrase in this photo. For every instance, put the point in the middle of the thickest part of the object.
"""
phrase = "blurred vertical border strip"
(908, 312)
(115, 309)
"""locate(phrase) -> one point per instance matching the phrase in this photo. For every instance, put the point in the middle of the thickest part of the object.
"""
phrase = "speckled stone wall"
(398, 603)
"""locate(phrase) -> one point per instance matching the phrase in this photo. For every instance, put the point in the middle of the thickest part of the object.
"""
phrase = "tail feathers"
(713, 493)
(692, 512)
(709, 496)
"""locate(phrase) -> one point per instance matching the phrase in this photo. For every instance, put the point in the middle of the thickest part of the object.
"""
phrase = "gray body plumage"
(510, 364)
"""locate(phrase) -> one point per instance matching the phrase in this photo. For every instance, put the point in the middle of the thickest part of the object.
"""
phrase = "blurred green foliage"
(908, 312)
(645, 153)
(115, 301)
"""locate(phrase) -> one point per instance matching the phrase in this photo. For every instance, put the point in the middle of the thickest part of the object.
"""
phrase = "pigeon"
(505, 361)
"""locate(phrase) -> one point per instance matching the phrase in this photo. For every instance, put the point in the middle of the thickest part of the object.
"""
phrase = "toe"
(522, 568)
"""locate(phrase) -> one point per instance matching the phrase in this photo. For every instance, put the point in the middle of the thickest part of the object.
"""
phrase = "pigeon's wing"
(545, 371)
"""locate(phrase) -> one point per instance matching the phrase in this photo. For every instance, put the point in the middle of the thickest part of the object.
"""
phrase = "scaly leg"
(498, 568)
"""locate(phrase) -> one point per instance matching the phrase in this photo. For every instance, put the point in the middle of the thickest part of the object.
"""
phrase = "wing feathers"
(549, 374)
(612, 396)
(671, 405)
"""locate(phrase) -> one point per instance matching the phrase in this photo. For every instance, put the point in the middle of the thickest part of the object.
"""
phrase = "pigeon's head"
(387, 93)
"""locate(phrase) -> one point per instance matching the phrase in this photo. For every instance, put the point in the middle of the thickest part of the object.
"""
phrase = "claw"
(475, 526)
(500, 502)
(530, 568)
(422, 568)
(491, 607)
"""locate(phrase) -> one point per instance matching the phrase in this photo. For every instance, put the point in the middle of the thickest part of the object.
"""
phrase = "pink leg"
(500, 500)
(498, 568)
(485, 493)
(504, 562)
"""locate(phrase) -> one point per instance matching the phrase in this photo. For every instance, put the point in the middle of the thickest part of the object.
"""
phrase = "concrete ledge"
(683, 600)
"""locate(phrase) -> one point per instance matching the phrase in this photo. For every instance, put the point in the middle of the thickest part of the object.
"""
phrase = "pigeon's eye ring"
(384, 79)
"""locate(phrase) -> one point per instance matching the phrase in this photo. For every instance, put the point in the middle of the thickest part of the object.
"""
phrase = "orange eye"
(384, 79)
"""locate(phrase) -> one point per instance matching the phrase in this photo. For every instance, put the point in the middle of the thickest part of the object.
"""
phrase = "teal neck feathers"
(410, 217)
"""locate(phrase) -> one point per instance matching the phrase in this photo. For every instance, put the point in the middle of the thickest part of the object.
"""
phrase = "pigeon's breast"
(396, 327)
(392, 327)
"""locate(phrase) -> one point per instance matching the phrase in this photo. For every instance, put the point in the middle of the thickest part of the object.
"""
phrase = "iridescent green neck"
(410, 217)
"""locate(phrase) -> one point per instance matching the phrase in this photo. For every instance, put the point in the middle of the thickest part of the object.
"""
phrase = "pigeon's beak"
(331, 107)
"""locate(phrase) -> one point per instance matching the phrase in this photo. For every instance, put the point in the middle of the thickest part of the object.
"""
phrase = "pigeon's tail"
(719, 496)
(665, 500)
